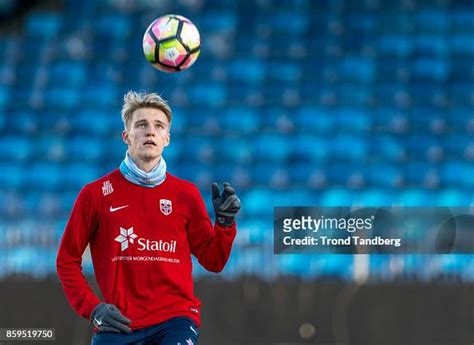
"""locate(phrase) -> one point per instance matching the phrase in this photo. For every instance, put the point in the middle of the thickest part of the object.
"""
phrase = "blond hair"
(136, 100)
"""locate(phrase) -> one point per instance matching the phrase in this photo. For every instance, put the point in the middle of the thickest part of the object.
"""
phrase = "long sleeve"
(77, 234)
(211, 245)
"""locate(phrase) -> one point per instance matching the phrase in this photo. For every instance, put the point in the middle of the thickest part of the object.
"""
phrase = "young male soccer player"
(142, 225)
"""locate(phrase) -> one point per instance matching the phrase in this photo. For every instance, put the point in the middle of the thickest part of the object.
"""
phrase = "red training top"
(141, 241)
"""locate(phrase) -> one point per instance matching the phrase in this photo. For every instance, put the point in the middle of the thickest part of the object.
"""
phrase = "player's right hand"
(107, 318)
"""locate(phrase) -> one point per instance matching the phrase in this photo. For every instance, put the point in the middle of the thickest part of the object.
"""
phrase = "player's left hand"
(226, 204)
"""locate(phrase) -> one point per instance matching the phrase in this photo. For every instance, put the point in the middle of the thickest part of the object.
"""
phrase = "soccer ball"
(171, 43)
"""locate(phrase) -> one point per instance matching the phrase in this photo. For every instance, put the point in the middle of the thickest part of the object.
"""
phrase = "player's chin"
(151, 153)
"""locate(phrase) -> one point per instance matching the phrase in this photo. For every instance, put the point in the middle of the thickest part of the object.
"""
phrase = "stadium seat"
(271, 147)
(12, 176)
(457, 173)
(383, 174)
(352, 120)
(15, 148)
(454, 198)
(395, 45)
(46, 176)
(85, 148)
(313, 120)
(348, 147)
(239, 120)
(310, 148)
(46, 24)
(388, 148)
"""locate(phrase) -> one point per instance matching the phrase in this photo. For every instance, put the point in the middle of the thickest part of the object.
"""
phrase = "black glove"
(107, 318)
(226, 205)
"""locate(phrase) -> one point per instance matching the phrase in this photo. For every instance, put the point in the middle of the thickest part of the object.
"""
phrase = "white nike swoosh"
(98, 322)
(113, 209)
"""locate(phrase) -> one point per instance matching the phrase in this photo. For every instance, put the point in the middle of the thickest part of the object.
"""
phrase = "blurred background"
(296, 103)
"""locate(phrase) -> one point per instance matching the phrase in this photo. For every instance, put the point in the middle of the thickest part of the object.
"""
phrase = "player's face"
(147, 134)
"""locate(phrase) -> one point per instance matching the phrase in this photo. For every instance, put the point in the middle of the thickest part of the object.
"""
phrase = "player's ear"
(168, 138)
(125, 137)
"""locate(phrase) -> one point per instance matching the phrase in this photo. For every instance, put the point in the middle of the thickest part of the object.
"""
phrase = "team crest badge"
(165, 206)
(107, 188)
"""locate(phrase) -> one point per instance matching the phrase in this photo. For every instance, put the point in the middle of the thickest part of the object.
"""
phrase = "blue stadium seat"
(460, 93)
(349, 147)
(383, 174)
(271, 147)
(343, 174)
(420, 173)
(49, 147)
(227, 150)
(173, 153)
(309, 174)
(259, 202)
(100, 96)
(454, 198)
(247, 70)
(313, 119)
(357, 69)
(15, 148)
(254, 232)
(113, 25)
(46, 24)
(45, 176)
(352, 120)
(93, 122)
(459, 146)
(415, 197)
(272, 174)
(397, 45)
(197, 173)
(78, 174)
(336, 197)
(85, 148)
(198, 148)
(424, 69)
(462, 20)
(277, 71)
(430, 45)
(461, 45)
(67, 74)
(293, 23)
(209, 94)
(461, 71)
(349, 96)
(373, 198)
(239, 120)
(310, 148)
(423, 146)
(22, 122)
(4, 96)
(12, 176)
(218, 21)
(62, 98)
(457, 173)
(432, 21)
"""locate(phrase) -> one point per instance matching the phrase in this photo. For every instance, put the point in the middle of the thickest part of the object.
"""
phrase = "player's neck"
(146, 165)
